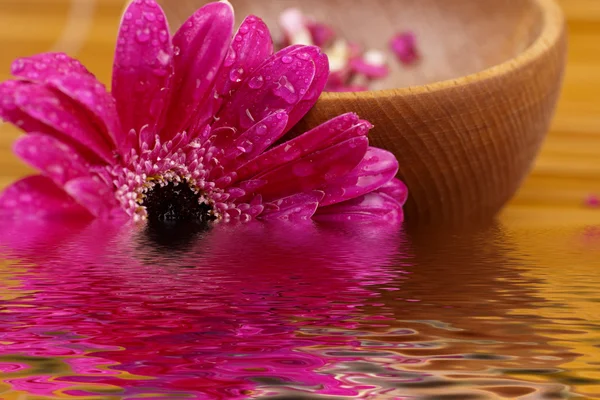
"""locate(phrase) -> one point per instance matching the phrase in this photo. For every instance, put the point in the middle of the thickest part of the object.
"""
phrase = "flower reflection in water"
(237, 311)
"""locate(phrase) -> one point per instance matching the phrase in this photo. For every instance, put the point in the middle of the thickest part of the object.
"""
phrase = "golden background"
(567, 171)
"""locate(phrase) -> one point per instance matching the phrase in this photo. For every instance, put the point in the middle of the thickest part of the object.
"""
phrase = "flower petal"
(374, 206)
(327, 134)
(322, 34)
(52, 157)
(396, 189)
(96, 196)
(255, 140)
(38, 197)
(70, 77)
(404, 46)
(95, 99)
(55, 110)
(199, 46)
(316, 87)
(143, 65)
(376, 169)
(314, 170)
(41, 67)
(250, 47)
(279, 84)
(294, 208)
(10, 112)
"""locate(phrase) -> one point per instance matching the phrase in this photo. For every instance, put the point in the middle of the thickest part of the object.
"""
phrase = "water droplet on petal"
(238, 38)
(286, 90)
(163, 57)
(256, 82)
(230, 58)
(286, 59)
(176, 50)
(143, 35)
(244, 29)
(236, 74)
(128, 16)
(85, 94)
(261, 129)
(303, 56)
(163, 36)
(150, 16)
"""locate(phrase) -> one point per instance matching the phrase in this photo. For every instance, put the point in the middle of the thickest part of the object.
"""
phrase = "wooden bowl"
(467, 121)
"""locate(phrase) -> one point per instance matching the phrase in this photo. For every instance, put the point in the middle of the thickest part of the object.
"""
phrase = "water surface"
(289, 312)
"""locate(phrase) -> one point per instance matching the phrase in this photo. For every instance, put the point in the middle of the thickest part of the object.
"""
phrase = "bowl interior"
(455, 37)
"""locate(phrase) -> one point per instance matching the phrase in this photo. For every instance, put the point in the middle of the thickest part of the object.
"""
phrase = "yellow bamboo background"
(567, 170)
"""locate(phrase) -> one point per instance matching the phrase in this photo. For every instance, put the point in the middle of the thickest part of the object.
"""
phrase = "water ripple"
(263, 311)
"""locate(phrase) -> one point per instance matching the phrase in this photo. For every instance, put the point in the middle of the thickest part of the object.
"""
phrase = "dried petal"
(321, 34)
(404, 46)
(592, 201)
(372, 64)
(294, 27)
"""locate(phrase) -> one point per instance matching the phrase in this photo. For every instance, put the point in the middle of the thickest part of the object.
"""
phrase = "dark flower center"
(174, 204)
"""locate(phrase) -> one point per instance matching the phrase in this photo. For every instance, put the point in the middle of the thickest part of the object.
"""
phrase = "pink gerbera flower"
(190, 130)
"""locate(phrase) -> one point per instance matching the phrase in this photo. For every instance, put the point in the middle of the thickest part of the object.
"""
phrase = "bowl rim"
(553, 25)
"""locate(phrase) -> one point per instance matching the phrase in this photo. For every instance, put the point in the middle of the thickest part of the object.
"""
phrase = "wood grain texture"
(569, 165)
